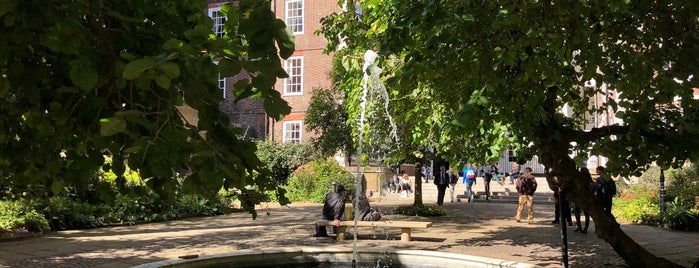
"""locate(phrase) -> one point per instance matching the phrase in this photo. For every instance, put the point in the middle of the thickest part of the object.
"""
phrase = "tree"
(503, 73)
(327, 116)
(84, 79)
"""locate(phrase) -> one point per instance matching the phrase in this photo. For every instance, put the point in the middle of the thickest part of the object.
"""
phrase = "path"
(480, 228)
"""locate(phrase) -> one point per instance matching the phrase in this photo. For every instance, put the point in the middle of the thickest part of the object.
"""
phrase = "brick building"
(308, 68)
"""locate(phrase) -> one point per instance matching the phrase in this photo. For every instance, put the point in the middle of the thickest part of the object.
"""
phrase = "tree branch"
(600, 132)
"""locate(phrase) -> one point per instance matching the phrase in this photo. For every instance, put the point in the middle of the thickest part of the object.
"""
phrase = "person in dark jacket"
(605, 190)
(333, 208)
(526, 186)
(442, 181)
(487, 177)
(577, 209)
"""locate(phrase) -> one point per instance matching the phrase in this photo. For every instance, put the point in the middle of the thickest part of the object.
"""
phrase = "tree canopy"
(83, 79)
(474, 77)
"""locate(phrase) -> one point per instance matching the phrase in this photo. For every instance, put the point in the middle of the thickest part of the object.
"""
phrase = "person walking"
(487, 177)
(576, 209)
(453, 179)
(605, 190)
(333, 208)
(558, 214)
(469, 180)
(442, 182)
(526, 186)
(425, 174)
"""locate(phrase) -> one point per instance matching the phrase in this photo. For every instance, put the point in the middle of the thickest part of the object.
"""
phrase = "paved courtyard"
(481, 228)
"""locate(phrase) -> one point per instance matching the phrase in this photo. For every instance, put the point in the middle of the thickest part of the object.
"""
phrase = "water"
(372, 84)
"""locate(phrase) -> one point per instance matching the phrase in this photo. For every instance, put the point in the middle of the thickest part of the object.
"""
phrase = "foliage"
(472, 77)
(281, 159)
(421, 210)
(79, 79)
(637, 204)
(20, 215)
(327, 116)
(678, 217)
(314, 180)
(683, 186)
(64, 213)
(640, 202)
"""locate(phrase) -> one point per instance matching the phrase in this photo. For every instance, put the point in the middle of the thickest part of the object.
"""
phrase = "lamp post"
(662, 192)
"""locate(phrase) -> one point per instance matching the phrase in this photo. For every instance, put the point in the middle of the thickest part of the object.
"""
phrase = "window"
(222, 84)
(294, 84)
(292, 132)
(511, 155)
(294, 16)
(219, 20)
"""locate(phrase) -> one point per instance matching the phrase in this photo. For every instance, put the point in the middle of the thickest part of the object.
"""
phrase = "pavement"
(485, 229)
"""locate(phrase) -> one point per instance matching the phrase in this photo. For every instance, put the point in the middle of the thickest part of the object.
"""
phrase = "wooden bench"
(405, 226)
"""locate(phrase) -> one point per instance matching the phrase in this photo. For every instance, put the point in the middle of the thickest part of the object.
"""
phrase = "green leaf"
(133, 149)
(173, 44)
(57, 186)
(163, 81)
(84, 77)
(135, 68)
(229, 68)
(285, 39)
(170, 69)
(112, 126)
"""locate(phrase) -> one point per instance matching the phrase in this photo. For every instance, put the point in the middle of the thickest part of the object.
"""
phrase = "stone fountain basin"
(334, 257)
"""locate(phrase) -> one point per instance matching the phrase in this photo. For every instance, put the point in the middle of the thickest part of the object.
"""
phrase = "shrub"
(65, 213)
(678, 217)
(635, 203)
(192, 205)
(20, 215)
(314, 180)
(421, 210)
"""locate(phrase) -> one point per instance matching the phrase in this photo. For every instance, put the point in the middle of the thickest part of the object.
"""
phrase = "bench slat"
(391, 224)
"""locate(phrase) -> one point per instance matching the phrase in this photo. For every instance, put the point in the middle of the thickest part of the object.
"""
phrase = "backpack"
(607, 188)
(470, 174)
(373, 214)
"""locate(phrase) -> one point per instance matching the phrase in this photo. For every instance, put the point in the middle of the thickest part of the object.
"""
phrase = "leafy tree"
(84, 79)
(503, 73)
(327, 116)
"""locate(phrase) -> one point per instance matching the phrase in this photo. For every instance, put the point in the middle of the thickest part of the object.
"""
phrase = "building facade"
(308, 69)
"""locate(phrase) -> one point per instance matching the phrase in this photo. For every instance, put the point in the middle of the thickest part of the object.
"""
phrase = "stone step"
(506, 197)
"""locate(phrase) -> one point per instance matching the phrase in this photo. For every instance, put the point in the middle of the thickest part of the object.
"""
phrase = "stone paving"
(484, 229)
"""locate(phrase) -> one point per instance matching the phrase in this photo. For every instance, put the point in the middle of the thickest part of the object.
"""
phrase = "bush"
(20, 215)
(678, 217)
(65, 213)
(421, 210)
(314, 180)
(640, 203)
(636, 202)
(195, 206)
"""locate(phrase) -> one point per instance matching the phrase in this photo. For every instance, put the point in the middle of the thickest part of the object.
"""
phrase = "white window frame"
(222, 82)
(215, 15)
(291, 127)
(293, 85)
(294, 16)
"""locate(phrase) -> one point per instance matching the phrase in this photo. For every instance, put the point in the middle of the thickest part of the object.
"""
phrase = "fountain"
(334, 257)
(342, 257)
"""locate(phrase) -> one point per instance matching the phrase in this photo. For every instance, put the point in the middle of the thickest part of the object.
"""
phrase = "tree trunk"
(417, 196)
(562, 172)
